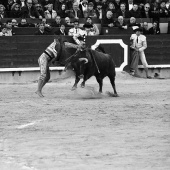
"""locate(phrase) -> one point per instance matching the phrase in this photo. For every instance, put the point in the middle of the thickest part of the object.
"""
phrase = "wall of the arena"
(19, 54)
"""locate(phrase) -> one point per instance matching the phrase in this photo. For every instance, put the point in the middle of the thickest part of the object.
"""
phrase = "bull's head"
(79, 66)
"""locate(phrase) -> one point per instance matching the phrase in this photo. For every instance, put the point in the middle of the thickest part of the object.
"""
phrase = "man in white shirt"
(139, 44)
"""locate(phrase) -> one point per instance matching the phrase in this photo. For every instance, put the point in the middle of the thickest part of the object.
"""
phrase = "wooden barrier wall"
(23, 51)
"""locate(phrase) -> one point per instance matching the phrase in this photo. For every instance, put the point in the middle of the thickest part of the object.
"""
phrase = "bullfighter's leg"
(100, 81)
(112, 81)
(44, 74)
(76, 82)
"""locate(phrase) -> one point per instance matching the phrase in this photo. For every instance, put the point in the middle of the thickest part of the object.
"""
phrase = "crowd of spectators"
(112, 13)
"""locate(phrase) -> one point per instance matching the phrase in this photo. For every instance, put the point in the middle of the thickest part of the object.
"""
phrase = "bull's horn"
(83, 59)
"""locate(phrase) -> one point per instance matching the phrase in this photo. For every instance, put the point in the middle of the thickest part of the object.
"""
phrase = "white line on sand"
(29, 124)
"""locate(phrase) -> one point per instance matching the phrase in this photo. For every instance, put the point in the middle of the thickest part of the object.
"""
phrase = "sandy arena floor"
(66, 131)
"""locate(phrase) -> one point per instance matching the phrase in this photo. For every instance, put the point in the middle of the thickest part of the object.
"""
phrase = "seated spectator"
(41, 30)
(99, 11)
(145, 28)
(44, 21)
(105, 4)
(122, 11)
(135, 12)
(29, 11)
(14, 23)
(57, 22)
(132, 22)
(3, 13)
(111, 7)
(154, 29)
(8, 6)
(45, 3)
(15, 11)
(91, 11)
(83, 5)
(35, 2)
(117, 4)
(10, 32)
(146, 13)
(68, 22)
(154, 8)
(50, 13)
(163, 11)
(75, 12)
(129, 5)
(88, 28)
(62, 12)
(108, 21)
(58, 4)
(24, 23)
(120, 23)
(61, 30)
(40, 10)
(94, 26)
(3, 31)
(76, 30)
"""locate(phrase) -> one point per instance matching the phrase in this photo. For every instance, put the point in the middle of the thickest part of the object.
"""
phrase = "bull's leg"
(76, 82)
(100, 81)
(112, 81)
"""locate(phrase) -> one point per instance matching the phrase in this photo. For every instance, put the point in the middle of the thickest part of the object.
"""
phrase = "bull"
(88, 63)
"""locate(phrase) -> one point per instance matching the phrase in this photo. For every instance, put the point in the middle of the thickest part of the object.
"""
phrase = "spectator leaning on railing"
(94, 26)
(154, 29)
(121, 23)
(145, 29)
(108, 21)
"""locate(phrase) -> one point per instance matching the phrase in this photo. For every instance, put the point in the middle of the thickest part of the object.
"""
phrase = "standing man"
(139, 44)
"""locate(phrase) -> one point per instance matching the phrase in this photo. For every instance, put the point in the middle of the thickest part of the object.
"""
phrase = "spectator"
(14, 23)
(120, 23)
(3, 31)
(41, 30)
(132, 22)
(99, 11)
(35, 2)
(8, 6)
(75, 12)
(44, 21)
(3, 13)
(145, 28)
(57, 22)
(155, 10)
(50, 13)
(68, 22)
(22, 3)
(24, 23)
(163, 11)
(122, 11)
(9, 28)
(108, 21)
(117, 4)
(83, 6)
(62, 12)
(154, 29)
(40, 10)
(146, 13)
(15, 11)
(45, 3)
(29, 11)
(104, 4)
(69, 4)
(58, 4)
(61, 30)
(111, 7)
(129, 5)
(134, 12)
(94, 26)
(91, 11)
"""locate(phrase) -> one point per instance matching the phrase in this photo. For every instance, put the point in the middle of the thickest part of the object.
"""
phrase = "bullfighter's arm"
(144, 45)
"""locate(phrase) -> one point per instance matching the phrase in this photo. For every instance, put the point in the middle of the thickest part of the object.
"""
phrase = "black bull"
(88, 63)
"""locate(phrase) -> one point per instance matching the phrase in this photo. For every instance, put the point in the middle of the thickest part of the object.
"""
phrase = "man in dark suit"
(61, 30)
(154, 29)
(41, 30)
(122, 11)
